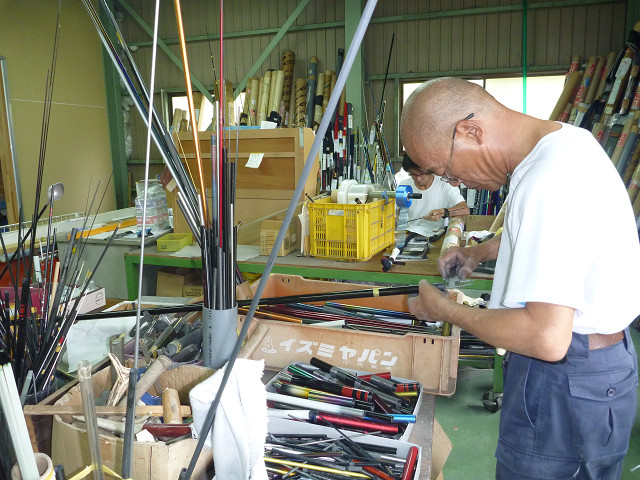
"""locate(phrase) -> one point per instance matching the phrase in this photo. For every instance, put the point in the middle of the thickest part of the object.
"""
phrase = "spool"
(263, 99)
(44, 464)
(171, 406)
(301, 102)
(566, 95)
(287, 64)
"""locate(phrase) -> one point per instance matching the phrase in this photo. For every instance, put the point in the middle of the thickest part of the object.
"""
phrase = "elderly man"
(561, 309)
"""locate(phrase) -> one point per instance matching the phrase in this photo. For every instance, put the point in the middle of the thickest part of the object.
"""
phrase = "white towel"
(240, 425)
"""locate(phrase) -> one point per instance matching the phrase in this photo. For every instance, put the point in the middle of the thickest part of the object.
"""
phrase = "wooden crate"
(267, 189)
(430, 359)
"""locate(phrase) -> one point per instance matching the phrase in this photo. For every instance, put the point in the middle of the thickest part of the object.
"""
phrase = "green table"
(370, 271)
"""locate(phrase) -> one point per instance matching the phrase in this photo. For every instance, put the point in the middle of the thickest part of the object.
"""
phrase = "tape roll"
(44, 464)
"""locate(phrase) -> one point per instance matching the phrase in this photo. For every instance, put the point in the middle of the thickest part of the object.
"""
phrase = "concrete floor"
(473, 430)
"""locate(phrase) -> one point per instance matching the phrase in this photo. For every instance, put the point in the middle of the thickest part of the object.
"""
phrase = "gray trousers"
(569, 420)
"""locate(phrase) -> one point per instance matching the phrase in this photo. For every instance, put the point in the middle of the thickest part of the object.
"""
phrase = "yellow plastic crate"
(174, 242)
(350, 232)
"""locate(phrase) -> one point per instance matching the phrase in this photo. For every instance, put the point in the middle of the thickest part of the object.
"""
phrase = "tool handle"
(171, 406)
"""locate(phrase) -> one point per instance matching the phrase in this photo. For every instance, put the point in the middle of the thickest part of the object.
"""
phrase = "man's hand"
(456, 261)
(427, 305)
(434, 215)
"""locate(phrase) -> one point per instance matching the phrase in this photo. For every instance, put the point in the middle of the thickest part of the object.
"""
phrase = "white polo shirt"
(439, 195)
(569, 235)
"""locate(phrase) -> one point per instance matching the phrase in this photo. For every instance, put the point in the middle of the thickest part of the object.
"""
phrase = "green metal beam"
(113, 95)
(246, 33)
(485, 10)
(472, 73)
(292, 18)
(163, 46)
(633, 14)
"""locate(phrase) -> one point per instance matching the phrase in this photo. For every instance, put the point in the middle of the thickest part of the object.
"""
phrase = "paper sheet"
(89, 339)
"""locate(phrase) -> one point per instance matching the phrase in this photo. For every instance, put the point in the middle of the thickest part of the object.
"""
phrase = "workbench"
(309, 267)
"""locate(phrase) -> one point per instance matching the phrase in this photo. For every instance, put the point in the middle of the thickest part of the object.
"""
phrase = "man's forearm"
(486, 251)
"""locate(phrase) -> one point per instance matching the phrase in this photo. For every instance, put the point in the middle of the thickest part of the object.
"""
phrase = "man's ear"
(471, 130)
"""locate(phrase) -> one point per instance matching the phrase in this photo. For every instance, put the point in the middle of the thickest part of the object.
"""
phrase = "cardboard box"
(269, 231)
(152, 460)
(192, 290)
(93, 299)
(170, 283)
(429, 359)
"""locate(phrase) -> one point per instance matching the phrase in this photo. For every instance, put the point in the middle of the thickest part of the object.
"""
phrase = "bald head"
(433, 109)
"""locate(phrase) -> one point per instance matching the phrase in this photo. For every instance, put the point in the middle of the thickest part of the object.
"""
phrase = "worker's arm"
(463, 261)
(540, 330)
(459, 210)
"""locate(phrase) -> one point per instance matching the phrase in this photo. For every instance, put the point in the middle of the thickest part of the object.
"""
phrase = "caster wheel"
(492, 401)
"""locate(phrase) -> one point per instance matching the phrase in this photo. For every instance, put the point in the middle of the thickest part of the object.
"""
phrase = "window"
(204, 110)
(542, 92)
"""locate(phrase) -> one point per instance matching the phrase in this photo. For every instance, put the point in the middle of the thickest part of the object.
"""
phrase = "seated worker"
(439, 201)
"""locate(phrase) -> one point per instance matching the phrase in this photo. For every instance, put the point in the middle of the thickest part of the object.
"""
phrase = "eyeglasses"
(447, 177)
(418, 174)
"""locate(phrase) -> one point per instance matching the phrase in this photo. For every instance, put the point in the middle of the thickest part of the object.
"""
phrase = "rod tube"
(90, 418)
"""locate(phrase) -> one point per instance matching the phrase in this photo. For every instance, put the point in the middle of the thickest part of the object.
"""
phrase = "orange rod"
(192, 112)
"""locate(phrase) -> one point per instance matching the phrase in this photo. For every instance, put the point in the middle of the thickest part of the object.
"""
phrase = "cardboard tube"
(287, 65)
(636, 206)
(328, 75)
(622, 75)
(566, 95)
(575, 63)
(595, 81)
(566, 113)
(586, 81)
(171, 412)
(301, 102)
(319, 99)
(633, 163)
(312, 76)
(598, 130)
(499, 220)
(253, 101)
(263, 99)
(277, 80)
(634, 184)
(615, 157)
(608, 65)
(454, 234)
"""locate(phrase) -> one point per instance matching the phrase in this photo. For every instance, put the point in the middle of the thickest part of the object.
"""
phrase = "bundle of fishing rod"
(128, 72)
